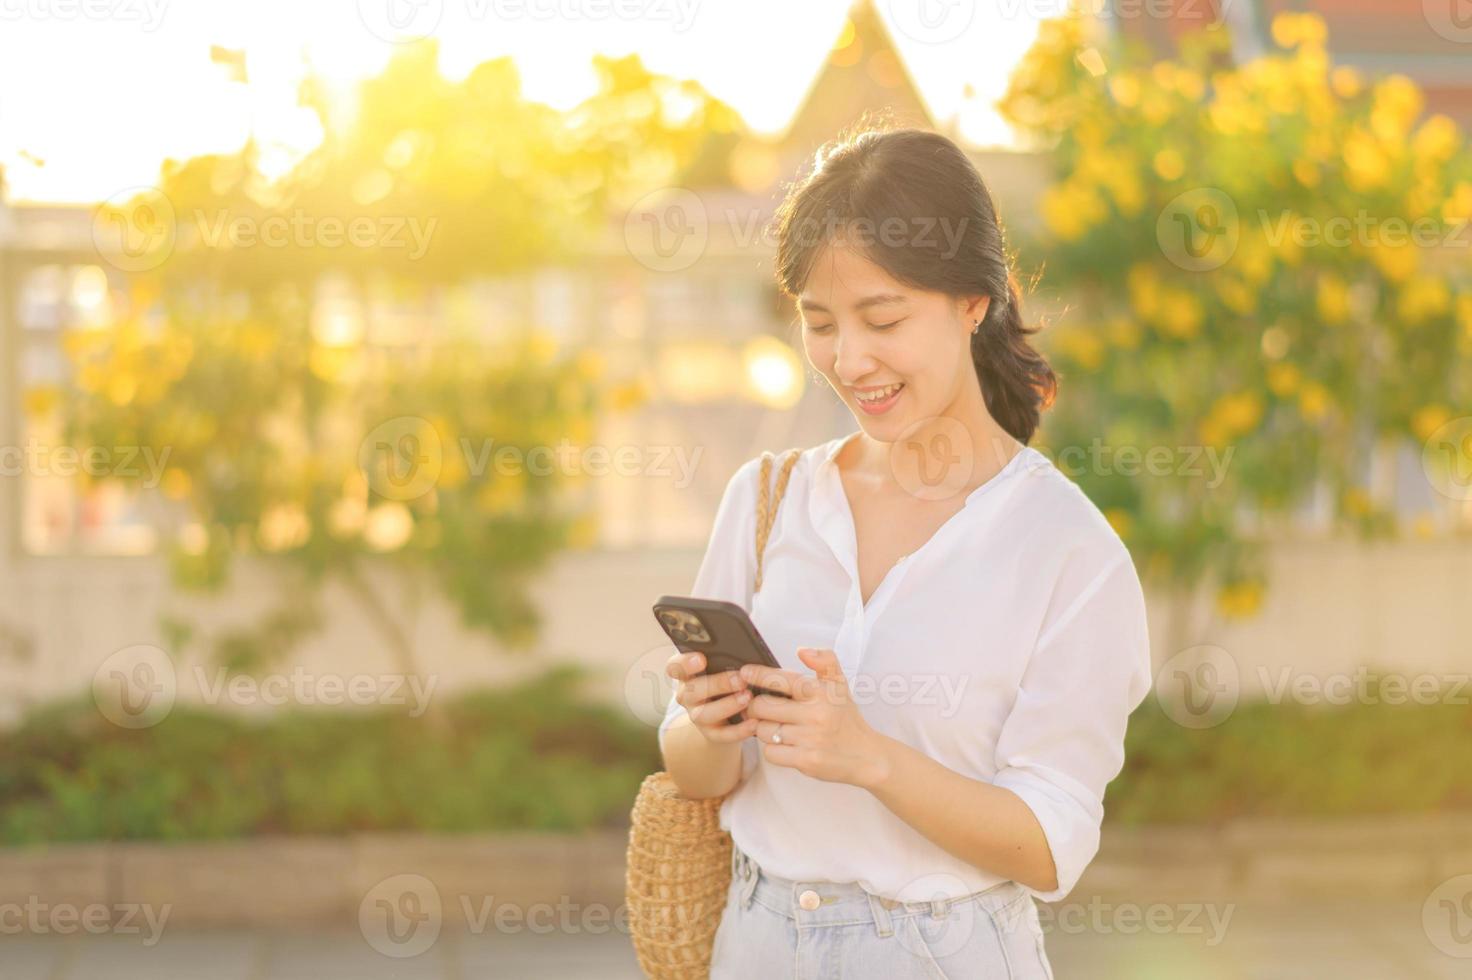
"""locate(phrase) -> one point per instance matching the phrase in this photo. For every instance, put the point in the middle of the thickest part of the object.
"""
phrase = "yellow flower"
(1083, 346)
(40, 399)
(1119, 519)
(1284, 378)
(1397, 103)
(1313, 400)
(1168, 164)
(1421, 298)
(1238, 413)
(1306, 173)
(1428, 419)
(1332, 298)
(1458, 207)
(1180, 314)
(1239, 599)
(1124, 332)
(1237, 296)
(176, 483)
(1144, 289)
(1436, 139)
(1396, 262)
(1367, 166)
(1125, 88)
(1346, 82)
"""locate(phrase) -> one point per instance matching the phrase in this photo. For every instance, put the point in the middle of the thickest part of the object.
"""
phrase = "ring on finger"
(777, 734)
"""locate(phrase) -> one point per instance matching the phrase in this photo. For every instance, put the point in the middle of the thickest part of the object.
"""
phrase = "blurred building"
(1427, 42)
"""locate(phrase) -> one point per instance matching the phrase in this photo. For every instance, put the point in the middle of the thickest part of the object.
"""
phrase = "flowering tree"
(1266, 261)
(292, 433)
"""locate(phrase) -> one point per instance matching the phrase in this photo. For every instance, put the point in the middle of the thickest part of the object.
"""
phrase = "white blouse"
(1010, 647)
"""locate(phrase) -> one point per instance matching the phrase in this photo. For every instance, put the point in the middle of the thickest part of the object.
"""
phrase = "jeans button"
(809, 900)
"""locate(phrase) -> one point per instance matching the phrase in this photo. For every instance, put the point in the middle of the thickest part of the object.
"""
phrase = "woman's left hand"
(824, 735)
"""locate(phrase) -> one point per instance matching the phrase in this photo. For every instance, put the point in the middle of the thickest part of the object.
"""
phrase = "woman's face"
(894, 354)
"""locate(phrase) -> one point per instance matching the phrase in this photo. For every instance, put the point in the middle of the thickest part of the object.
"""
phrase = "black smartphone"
(720, 630)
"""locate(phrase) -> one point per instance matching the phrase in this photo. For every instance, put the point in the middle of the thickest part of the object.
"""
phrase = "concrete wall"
(1334, 607)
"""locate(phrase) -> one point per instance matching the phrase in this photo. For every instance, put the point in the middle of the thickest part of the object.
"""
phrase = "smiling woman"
(880, 829)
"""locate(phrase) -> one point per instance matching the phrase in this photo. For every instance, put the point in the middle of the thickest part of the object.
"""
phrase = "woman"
(962, 634)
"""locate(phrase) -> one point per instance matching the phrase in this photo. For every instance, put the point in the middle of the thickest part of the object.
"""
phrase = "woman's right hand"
(710, 699)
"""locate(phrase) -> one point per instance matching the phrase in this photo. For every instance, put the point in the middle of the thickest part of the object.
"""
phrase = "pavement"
(1344, 939)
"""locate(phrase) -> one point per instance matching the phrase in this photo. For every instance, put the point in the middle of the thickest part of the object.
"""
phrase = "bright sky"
(103, 90)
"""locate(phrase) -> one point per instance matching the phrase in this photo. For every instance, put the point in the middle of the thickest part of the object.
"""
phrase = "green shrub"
(531, 756)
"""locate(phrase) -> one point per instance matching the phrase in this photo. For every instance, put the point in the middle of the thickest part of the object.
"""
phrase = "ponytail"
(1016, 380)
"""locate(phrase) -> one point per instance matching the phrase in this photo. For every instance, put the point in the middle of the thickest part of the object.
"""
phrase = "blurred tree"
(292, 430)
(1237, 244)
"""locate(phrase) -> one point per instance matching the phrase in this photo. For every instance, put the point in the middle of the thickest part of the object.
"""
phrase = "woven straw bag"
(679, 858)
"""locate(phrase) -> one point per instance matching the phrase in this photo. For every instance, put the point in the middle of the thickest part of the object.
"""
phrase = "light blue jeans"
(775, 928)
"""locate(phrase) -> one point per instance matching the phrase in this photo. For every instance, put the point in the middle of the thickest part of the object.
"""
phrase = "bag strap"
(766, 505)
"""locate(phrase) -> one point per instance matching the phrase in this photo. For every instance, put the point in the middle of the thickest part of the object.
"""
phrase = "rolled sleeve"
(729, 567)
(1063, 741)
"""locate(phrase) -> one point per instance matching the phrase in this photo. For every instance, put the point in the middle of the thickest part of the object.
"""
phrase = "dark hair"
(923, 185)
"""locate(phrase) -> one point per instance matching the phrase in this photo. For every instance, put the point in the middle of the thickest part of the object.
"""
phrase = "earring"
(977, 326)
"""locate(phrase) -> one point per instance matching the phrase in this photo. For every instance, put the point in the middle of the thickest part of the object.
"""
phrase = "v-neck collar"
(831, 514)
